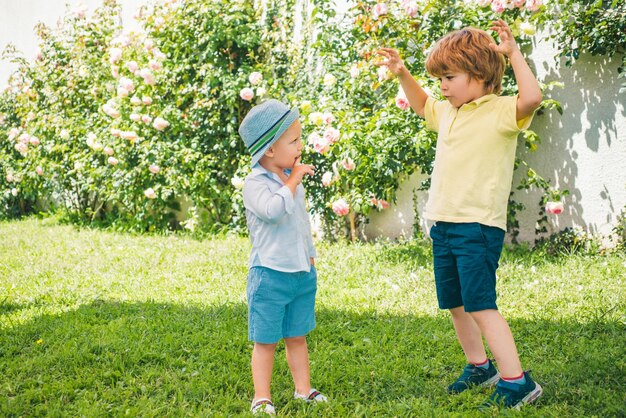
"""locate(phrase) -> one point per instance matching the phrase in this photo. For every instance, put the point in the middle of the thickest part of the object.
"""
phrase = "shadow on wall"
(593, 112)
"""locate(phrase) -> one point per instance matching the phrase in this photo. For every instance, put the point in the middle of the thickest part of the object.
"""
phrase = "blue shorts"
(280, 305)
(465, 258)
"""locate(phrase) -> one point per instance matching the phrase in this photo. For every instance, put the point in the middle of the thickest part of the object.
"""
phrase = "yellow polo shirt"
(474, 159)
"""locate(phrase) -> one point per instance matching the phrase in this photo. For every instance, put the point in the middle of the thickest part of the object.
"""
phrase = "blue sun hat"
(264, 124)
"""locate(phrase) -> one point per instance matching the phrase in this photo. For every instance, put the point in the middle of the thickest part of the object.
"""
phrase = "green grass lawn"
(96, 323)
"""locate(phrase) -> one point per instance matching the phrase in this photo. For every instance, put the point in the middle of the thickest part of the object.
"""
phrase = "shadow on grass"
(8, 307)
(151, 359)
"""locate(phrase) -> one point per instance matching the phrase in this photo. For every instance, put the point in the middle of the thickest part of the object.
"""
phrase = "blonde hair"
(468, 51)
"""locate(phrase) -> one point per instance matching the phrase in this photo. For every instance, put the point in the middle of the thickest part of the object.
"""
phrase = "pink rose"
(111, 111)
(135, 101)
(383, 73)
(122, 92)
(147, 76)
(534, 5)
(155, 65)
(115, 54)
(132, 66)
(554, 208)
(154, 168)
(156, 52)
(354, 71)
(34, 141)
(331, 135)
(135, 117)
(327, 179)
(127, 83)
(379, 10)
(379, 203)
(348, 164)
(39, 171)
(321, 144)
(146, 119)
(13, 133)
(255, 78)
(411, 9)
(108, 151)
(150, 193)
(341, 207)
(498, 6)
(130, 135)
(148, 44)
(402, 102)
(160, 124)
(313, 138)
(116, 132)
(328, 118)
(246, 94)
(123, 40)
(112, 160)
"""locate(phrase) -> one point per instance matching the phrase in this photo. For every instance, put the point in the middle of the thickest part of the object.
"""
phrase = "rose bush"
(132, 124)
(122, 128)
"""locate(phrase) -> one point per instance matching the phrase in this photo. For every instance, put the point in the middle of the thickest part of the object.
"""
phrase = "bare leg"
(469, 335)
(500, 341)
(298, 360)
(262, 365)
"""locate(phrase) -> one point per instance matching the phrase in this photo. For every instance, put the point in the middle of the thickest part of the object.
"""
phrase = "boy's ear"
(269, 152)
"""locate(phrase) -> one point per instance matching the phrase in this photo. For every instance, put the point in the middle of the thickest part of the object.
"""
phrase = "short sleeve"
(508, 115)
(432, 113)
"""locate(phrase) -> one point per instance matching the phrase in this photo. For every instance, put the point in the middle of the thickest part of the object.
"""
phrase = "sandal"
(262, 406)
(313, 396)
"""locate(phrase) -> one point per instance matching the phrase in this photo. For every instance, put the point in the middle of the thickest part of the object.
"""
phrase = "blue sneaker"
(513, 395)
(475, 376)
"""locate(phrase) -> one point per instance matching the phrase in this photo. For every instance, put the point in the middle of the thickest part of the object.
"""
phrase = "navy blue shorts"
(466, 258)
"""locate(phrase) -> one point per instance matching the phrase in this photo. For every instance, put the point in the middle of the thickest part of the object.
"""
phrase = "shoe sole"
(491, 381)
(531, 397)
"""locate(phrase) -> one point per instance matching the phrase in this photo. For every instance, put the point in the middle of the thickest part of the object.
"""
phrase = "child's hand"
(507, 42)
(392, 61)
(300, 170)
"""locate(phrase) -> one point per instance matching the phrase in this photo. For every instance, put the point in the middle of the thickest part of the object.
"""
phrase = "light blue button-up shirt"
(278, 223)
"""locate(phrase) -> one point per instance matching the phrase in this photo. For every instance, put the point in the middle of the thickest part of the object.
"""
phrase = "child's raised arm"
(414, 93)
(529, 92)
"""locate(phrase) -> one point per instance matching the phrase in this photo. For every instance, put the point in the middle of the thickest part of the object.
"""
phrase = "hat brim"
(289, 119)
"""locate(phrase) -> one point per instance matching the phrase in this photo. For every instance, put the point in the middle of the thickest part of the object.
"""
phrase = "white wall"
(19, 17)
(583, 151)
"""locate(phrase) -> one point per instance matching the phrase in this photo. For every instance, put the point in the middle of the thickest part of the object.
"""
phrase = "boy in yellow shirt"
(471, 181)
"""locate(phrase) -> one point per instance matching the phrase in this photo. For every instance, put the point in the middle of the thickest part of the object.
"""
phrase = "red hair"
(468, 51)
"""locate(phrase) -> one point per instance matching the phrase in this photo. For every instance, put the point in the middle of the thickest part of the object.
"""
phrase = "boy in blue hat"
(282, 280)
(471, 180)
